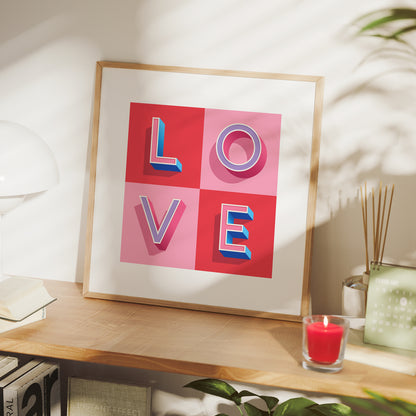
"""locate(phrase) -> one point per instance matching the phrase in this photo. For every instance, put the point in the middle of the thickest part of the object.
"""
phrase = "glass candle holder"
(324, 341)
(354, 296)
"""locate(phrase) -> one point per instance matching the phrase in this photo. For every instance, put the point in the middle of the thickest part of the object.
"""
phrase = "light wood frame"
(105, 277)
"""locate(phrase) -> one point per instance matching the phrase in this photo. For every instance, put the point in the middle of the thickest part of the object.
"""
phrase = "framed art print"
(203, 188)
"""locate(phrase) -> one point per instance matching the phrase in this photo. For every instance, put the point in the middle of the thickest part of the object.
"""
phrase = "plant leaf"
(378, 405)
(270, 401)
(377, 397)
(403, 30)
(386, 16)
(254, 411)
(395, 405)
(365, 406)
(217, 388)
(408, 407)
(332, 409)
(294, 407)
(246, 393)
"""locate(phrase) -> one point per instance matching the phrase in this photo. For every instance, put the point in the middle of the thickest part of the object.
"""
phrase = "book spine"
(52, 392)
(41, 394)
(1, 402)
(30, 398)
(8, 379)
(10, 390)
(10, 403)
(8, 364)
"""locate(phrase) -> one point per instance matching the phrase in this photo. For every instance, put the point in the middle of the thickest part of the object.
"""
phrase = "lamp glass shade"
(27, 165)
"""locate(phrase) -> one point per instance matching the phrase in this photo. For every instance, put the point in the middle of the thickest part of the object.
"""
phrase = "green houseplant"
(389, 23)
(376, 405)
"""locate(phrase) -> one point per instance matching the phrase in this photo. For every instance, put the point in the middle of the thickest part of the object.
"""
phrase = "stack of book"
(32, 388)
(23, 300)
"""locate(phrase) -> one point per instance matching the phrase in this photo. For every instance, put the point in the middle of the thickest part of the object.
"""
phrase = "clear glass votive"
(324, 341)
(354, 295)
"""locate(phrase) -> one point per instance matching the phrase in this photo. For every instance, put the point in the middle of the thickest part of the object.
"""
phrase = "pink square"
(136, 243)
(216, 176)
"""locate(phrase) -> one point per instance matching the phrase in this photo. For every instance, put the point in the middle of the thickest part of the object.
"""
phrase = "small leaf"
(217, 388)
(254, 411)
(364, 406)
(377, 397)
(409, 407)
(379, 405)
(400, 407)
(386, 16)
(270, 401)
(332, 409)
(403, 30)
(294, 407)
(246, 393)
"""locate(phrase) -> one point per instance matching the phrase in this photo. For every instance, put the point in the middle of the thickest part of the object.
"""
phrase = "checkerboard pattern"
(201, 189)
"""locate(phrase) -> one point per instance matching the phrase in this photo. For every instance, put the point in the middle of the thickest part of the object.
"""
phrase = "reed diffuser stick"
(374, 223)
(382, 224)
(380, 221)
(387, 223)
(377, 240)
(365, 217)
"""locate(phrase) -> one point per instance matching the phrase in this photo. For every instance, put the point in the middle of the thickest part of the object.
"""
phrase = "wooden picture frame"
(237, 214)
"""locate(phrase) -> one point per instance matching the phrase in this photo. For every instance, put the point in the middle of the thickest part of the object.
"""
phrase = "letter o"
(254, 158)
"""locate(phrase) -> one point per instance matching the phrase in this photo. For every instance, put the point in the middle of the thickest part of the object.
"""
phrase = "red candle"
(324, 341)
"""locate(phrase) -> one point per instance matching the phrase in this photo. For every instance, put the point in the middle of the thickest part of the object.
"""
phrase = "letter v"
(162, 234)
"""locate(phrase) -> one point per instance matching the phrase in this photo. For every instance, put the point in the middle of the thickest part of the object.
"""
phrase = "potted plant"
(301, 406)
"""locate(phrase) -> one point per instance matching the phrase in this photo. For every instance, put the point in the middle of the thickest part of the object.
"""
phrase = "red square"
(183, 140)
(260, 239)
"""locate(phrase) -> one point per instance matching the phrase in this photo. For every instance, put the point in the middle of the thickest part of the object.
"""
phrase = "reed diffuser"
(376, 209)
(380, 215)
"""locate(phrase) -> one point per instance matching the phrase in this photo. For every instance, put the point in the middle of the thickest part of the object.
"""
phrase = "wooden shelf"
(203, 344)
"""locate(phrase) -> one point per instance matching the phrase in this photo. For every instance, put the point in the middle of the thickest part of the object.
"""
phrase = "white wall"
(48, 50)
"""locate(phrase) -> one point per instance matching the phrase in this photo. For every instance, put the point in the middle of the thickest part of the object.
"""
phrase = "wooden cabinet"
(203, 344)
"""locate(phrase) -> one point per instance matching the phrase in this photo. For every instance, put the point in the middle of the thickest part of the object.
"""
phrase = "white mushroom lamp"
(27, 167)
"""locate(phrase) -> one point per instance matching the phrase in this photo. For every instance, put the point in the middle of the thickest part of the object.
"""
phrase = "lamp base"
(7, 203)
